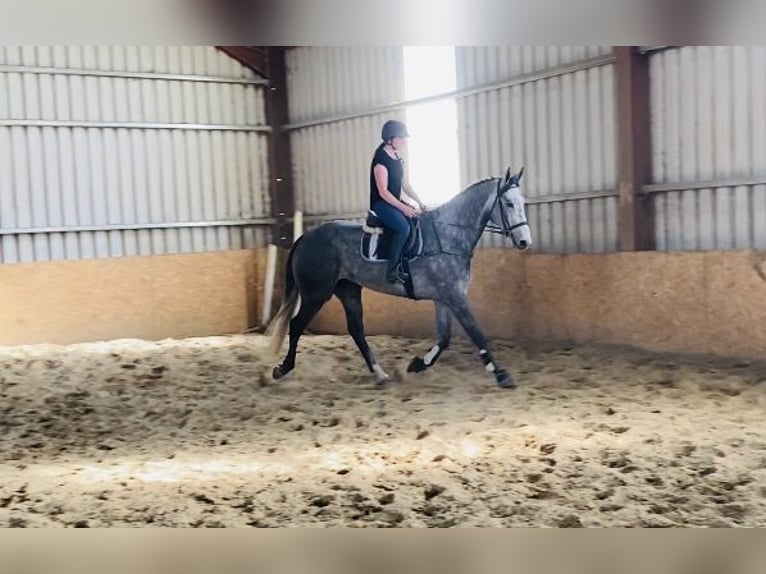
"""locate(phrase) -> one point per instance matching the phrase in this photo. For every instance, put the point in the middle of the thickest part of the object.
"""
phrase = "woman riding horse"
(388, 182)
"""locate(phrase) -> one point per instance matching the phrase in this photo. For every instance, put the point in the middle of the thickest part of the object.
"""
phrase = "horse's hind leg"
(444, 331)
(350, 295)
(310, 306)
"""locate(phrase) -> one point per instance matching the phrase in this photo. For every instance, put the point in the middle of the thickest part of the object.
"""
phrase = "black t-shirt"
(395, 169)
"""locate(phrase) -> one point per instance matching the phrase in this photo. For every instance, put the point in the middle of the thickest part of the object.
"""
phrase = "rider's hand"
(408, 211)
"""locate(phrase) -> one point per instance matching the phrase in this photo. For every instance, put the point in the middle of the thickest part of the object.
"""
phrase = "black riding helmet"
(394, 129)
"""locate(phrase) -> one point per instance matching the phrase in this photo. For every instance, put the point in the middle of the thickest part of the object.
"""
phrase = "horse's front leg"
(462, 312)
(444, 331)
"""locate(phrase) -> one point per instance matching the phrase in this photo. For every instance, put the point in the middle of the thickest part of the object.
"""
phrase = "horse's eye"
(509, 205)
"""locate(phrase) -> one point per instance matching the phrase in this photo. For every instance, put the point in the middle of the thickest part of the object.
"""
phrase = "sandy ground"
(191, 433)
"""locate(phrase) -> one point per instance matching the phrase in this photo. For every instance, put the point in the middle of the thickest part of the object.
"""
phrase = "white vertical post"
(297, 225)
(268, 290)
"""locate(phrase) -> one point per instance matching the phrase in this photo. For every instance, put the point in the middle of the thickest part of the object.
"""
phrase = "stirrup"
(399, 276)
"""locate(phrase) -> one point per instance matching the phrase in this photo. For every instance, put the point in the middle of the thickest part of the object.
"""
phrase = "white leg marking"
(429, 358)
(380, 373)
(489, 366)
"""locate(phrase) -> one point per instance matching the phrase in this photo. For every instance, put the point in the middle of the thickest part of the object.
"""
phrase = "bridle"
(505, 228)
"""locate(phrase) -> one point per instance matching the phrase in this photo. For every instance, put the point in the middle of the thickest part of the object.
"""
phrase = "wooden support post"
(280, 161)
(254, 57)
(635, 211)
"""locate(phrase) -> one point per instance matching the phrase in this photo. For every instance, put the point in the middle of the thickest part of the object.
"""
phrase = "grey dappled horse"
(328, 261)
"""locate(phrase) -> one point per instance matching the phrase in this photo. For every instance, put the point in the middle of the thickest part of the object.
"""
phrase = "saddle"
(375, 239)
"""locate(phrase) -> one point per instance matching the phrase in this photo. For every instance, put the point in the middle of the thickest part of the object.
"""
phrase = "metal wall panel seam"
(132, 125)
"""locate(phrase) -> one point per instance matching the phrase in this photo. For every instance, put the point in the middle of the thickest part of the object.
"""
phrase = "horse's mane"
(477, 183)
(463, 193)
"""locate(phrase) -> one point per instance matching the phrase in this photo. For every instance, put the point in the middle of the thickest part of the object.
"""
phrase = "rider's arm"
(407, 188)
(381, 179)
(414, 196)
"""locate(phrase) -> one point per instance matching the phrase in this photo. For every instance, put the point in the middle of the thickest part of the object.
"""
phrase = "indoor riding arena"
(149, 200)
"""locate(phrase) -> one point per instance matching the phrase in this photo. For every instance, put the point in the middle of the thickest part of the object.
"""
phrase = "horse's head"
(509, 213)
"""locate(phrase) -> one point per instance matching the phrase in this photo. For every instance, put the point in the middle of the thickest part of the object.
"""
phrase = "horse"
(330, 260)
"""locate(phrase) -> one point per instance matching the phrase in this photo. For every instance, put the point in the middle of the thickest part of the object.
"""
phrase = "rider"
(388, 182)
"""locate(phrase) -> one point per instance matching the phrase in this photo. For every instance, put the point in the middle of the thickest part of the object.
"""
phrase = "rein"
(505, 229)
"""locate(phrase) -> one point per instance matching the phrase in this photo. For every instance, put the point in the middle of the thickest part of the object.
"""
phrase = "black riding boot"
(394, 272)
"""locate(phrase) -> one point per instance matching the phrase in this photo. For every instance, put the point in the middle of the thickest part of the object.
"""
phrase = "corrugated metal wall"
(560, 126)
(553, 110)
(709, 127)
(88, 160)
(331, 160)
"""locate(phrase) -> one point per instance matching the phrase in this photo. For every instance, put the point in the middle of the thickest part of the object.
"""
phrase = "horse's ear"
(507, 175)
(516, 177)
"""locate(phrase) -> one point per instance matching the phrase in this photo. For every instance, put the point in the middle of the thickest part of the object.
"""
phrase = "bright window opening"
(433, 147)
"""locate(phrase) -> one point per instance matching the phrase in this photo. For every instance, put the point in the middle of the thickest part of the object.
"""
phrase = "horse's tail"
(277, 329)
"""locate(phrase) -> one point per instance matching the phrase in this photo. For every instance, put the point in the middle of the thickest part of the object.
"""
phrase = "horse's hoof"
(277, 373)
(504, 379)
(417, 365)
(382, 384)
(381, 377)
